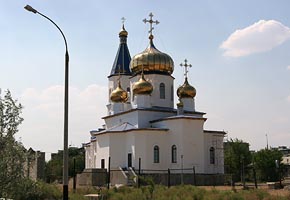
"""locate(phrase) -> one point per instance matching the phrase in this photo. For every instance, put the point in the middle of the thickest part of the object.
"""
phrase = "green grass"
(185, 192)
(153, 192)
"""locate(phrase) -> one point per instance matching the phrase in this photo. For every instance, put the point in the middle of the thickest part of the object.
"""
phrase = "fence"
(129, 176)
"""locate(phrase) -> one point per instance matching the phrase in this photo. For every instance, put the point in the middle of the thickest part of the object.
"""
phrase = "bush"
(34, 190)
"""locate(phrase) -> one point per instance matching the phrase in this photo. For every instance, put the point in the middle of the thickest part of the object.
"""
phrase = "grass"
(187, 192)
(182, 192)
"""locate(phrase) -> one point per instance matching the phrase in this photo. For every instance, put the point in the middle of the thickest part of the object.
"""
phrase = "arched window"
(156, 154)
(162, 90)
(173, 154)
(211, 155)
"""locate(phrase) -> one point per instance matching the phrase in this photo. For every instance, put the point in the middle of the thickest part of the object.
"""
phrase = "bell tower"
(120, 71)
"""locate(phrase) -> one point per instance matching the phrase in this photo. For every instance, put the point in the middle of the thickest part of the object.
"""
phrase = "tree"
(265, 164)
(12, 154)
(54, 166)
(237, 157)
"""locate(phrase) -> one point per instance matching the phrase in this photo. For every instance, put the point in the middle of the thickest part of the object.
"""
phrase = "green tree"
(12, 154)
(265, 164)
(237, 157)
(54, 166)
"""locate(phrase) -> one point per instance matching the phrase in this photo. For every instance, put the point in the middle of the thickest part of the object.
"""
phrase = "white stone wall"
(118, 149)
(187, 135)
(215, 141)
(103, 150)
(89, 161)
(138, 118)
(188, 104)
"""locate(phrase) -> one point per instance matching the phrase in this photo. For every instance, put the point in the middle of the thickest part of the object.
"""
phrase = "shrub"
(33, 190)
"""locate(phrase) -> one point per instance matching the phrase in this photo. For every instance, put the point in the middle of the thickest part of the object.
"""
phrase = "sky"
(239, 52)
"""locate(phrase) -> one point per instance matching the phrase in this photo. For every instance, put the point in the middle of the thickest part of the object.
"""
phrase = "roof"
(155, 109)
(215, 132)
(126, 127)
(179, 117)
(121, 64)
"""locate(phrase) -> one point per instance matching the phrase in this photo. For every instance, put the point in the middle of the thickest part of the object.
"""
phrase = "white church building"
(142, 122)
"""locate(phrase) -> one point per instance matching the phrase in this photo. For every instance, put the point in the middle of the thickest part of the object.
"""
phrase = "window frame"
(212, 155)
(156, 154)
(173, 154)
(162, 91)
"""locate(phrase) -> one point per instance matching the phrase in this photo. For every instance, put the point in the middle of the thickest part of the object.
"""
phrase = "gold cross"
(151, 22)
(123, 20)
(185, 65)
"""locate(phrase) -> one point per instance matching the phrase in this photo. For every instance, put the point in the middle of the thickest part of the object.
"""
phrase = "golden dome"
(123, 32)
(142, 86)
(119, 95)
(186, 90)
(152, 60)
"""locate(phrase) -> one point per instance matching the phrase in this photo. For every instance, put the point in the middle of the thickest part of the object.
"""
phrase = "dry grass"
(186, 192)
(273, 192)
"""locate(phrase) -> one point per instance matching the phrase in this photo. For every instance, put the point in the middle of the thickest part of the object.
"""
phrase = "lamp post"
(65, 135)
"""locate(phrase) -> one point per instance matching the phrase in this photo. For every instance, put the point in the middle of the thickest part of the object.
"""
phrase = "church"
(142, 122)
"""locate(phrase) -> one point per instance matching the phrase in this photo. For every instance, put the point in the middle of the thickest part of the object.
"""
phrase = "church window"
(156, 154)
(162, 90)
(211, 155)
(128, 89)
(173, 154)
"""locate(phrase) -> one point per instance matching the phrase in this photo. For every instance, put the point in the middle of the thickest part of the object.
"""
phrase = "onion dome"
(152, 61)
(186, 90)
(123, 32)
(119, 95)
(142, 86)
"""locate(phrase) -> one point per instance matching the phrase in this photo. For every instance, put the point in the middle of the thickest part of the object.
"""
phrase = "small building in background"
(35, 164)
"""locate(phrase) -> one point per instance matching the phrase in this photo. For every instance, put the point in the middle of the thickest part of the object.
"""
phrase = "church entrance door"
(129, 160)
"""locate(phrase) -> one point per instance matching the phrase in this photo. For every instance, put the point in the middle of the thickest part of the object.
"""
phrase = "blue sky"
(239, 51)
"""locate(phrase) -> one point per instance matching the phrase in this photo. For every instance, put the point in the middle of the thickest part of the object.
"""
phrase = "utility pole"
(267, 141)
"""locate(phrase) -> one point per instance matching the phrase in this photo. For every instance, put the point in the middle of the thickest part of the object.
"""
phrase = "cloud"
(288, 67)
(259, 37)
(288, 98)
(42, 128)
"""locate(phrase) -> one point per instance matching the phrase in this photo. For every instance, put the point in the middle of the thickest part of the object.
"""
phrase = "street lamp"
(65, 135)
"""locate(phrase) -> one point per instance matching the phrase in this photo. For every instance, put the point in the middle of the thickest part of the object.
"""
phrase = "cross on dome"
(119, 74)
(123, 20)
(185, 65)
(120, 71)
(151, 22)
